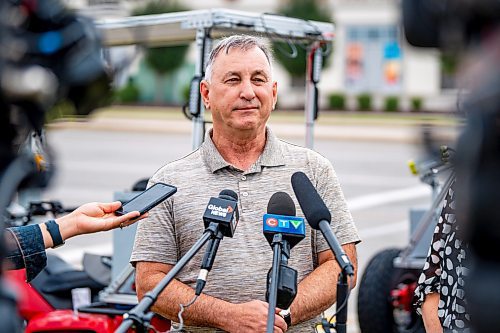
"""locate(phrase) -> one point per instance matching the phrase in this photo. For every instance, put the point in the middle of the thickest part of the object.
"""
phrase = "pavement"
(349, 126)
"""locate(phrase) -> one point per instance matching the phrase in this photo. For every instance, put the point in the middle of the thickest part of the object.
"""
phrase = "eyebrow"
(256, 72)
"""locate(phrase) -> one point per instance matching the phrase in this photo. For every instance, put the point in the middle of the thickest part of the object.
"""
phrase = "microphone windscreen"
(281, 204)
(310, 202)
(229, 195)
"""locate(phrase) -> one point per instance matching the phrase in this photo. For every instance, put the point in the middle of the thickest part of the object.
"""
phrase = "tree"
(305, 9)
(163, 60)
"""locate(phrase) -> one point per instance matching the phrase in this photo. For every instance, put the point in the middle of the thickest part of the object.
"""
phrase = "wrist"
(227, 319)
(67, 227)
(286, 315)
(54, 233)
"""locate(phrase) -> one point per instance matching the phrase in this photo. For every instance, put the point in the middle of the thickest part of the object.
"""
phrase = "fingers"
(280, 323)
(109, 207)
(129, 219)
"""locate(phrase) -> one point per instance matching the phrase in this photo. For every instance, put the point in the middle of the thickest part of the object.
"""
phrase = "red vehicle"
(49, 310)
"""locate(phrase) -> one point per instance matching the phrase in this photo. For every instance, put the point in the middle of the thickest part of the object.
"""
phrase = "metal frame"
(205, 25)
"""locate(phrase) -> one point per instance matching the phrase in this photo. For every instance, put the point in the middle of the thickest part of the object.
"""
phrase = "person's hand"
(252, 317)
(95, 217)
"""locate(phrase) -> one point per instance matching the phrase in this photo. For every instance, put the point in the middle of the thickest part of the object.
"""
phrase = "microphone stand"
(341, 317)
(346, 270)
(139, 314)
(277, 245)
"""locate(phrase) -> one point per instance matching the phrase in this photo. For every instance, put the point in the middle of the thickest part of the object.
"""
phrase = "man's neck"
(242, 150)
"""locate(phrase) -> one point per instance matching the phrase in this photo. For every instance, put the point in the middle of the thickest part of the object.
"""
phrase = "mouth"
(246, 108)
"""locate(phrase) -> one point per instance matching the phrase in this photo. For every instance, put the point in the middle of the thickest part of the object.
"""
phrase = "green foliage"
(185, 91)
(364, 102)
(337, 101)
(129, 93)
(416, 103)
(304, 9)
(391, 104)
(163, 59)
(449, 63)
(63, 109)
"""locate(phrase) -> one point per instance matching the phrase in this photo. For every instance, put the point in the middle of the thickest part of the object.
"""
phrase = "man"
(243, 155)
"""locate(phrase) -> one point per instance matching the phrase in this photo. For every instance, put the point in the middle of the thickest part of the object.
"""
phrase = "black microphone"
(319, 217)
(224, 211)
(281, 219)
(284, 230)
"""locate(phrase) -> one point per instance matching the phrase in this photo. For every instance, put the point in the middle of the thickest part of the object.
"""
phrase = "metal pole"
(273, 286)
(204, 44)
(310, 103)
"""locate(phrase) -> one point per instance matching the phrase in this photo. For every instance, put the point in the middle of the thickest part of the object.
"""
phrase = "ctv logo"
(296, 223)
(283, 223)
(272, 222)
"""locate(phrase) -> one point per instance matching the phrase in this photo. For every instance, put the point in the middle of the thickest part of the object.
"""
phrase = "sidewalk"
(334, 126)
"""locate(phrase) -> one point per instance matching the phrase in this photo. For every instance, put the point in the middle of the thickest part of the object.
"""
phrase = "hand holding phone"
(148, 199)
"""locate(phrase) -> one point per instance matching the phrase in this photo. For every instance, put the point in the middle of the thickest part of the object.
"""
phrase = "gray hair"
(240, 42)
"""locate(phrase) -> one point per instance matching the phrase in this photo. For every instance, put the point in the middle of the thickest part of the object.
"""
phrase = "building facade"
(370, 54)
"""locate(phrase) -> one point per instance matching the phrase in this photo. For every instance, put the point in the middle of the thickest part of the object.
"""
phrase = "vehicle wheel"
(375, 309)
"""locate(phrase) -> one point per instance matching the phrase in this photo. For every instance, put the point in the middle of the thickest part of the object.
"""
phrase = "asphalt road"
(93, 164)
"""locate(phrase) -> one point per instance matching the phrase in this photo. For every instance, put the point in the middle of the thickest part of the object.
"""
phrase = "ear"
(275, 94)
(204, 90)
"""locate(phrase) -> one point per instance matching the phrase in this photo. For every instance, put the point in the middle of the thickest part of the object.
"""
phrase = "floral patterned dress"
(444, 271)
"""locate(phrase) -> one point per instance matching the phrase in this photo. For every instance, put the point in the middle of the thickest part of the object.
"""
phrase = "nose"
(247, 91)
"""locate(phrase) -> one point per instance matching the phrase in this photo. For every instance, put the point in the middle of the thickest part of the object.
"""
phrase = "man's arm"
(318, 291)
(206, 311)
(430, 313)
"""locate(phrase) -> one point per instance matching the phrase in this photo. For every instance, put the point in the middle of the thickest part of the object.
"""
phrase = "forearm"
(318, 291)
(430, 313)
(67, 228)
(24, 248)
(206, 311)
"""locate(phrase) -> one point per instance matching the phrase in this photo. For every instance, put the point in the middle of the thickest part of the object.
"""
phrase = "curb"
(343, 132)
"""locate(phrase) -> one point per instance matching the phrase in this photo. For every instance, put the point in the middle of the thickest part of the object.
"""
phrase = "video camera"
(448, 24)
(472, 28)
(48, 54)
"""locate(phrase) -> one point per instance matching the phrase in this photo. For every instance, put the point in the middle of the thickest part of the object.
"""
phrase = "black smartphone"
(148, 199)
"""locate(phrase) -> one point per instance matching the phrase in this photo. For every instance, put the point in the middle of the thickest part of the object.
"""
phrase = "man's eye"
(259, 79)
(232, 80)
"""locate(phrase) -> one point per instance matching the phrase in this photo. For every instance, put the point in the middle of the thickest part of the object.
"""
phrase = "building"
(370, 53)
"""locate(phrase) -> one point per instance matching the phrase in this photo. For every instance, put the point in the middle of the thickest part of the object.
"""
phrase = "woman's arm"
(430, 313)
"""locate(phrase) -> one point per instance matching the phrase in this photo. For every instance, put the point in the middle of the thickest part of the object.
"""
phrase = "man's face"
(241, 94)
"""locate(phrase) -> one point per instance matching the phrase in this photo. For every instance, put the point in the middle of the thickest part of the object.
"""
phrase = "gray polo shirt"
(242, 262)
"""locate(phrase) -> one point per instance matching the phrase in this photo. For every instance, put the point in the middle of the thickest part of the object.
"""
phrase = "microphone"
(223, 211)
(283, 230)
(281, 219)
(319, 217)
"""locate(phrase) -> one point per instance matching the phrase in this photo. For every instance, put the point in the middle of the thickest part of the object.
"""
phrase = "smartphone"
(148, 199)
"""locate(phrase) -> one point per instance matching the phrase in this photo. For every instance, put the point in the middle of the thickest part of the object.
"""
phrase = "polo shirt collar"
(270, 157)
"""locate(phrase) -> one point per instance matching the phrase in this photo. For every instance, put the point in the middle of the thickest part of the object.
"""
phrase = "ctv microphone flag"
(291, 227)
(281, 219)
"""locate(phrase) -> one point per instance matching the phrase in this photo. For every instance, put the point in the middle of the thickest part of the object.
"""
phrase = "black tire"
(375, 312)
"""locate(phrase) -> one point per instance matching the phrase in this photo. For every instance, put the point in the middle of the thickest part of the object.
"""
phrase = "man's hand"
(252, 317)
